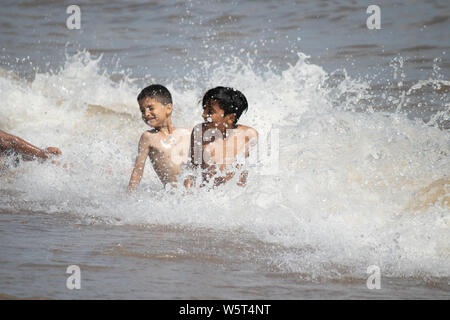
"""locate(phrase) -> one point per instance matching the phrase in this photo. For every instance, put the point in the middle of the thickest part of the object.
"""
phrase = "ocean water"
(363, 118)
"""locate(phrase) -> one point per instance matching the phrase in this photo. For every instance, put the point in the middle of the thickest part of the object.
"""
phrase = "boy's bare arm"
(10, 142)
(143, 151)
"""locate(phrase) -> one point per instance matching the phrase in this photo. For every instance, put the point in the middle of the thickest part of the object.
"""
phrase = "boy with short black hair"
(166, 146)
(219, 145)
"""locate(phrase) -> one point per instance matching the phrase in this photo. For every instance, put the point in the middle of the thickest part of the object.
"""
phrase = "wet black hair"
(157, 92)
(230, 100)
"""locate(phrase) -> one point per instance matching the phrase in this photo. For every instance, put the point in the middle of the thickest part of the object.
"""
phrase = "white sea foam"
(344, 198)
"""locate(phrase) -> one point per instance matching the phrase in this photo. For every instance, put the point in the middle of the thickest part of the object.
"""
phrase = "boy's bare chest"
(169, 148)
(223, 151)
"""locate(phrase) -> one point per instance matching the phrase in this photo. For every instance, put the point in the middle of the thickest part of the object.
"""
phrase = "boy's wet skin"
(219, 145)
(165, 145)
(21, 149)
(223, 141)
(222, 154)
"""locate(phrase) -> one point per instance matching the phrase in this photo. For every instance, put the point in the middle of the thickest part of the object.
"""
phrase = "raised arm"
(143, 151)
(10, 142)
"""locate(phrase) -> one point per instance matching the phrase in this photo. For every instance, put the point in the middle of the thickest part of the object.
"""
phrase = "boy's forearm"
(30, 150)
(134, 180)
(21, 146)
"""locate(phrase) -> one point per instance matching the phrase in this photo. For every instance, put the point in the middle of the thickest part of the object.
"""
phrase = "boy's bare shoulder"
(249, 131)
(149, 135)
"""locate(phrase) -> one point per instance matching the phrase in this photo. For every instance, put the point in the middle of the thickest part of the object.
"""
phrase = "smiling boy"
(220, 146)
(166, 146)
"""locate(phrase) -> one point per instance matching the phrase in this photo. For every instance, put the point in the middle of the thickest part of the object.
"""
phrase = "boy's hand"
(188, 183)
(131, 190)
(53, 151)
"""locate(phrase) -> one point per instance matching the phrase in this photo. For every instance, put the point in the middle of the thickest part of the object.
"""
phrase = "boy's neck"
(223, 130)
(166, 128)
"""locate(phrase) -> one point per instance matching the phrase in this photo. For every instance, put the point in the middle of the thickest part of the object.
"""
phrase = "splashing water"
(354, 188)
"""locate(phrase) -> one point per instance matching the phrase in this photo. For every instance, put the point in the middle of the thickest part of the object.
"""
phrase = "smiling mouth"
(150, 119)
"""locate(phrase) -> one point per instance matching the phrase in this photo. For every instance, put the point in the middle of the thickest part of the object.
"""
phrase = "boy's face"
(213, 114)
(154, 113)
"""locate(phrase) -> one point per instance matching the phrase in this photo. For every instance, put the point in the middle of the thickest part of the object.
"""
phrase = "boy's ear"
(169, 108)
(230, 118)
